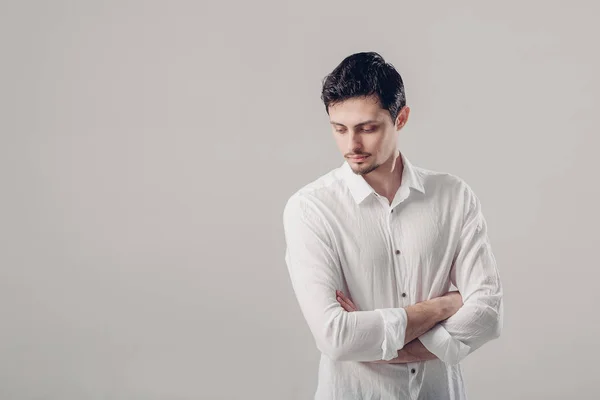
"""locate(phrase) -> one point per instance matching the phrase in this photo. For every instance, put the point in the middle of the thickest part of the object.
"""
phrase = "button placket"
(397, 252)
(396, 263)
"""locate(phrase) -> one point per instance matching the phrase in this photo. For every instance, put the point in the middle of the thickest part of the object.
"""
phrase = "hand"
(345, 302)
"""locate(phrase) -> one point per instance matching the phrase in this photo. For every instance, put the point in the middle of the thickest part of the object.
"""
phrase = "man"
(373, 247)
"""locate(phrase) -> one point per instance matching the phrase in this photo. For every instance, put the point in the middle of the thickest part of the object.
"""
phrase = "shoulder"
(444, 183)
(312, 196)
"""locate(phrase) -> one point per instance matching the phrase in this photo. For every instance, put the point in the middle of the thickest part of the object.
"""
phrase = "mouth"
(359, 158)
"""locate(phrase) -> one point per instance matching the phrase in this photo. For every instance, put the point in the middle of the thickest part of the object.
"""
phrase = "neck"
(386, 179)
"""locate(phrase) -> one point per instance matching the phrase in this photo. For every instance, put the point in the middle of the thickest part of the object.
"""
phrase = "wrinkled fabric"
(341, 235)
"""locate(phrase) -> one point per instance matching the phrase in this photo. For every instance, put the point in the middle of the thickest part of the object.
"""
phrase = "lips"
(359, 158)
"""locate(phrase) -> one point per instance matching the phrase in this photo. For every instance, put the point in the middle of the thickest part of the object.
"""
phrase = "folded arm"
(475, 274)
(315, 273)
(412, 351)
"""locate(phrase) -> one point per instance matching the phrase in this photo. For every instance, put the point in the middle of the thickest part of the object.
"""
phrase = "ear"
(402, 117)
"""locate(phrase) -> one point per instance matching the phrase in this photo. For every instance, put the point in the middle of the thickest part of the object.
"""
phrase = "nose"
(354, 144)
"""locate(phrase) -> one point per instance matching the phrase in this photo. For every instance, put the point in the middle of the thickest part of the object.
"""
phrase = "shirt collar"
(360, 188)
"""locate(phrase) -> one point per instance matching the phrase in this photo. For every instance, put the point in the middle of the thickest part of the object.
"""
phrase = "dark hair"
(364, 74)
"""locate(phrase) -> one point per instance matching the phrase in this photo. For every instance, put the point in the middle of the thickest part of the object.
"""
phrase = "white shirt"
(340, 234)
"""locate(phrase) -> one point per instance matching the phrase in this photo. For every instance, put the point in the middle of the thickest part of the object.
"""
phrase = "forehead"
(356, 110)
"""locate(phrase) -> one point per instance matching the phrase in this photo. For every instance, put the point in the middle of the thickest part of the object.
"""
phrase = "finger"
(352, 304)
(341, 295)
(347, 300)
(345, 305)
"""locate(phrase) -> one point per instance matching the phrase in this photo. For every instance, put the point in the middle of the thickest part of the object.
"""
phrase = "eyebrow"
(371, 121)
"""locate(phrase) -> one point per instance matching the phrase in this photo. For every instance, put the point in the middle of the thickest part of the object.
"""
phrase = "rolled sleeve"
(448, 349)
(395, 322)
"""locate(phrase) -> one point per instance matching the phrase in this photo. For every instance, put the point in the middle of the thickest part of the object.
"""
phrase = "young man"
(373, 247)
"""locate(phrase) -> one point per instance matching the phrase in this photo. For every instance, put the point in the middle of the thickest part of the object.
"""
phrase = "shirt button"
(403, 294)
(413, 370)
(397, 251)
(392, 210)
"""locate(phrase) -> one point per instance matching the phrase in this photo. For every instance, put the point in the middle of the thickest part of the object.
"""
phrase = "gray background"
(148, 149)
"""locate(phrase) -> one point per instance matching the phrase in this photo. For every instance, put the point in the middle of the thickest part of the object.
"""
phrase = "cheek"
(375, 143)
(388, 142)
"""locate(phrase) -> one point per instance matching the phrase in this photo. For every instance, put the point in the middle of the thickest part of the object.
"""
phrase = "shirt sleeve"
(316, 274)
(475, 274)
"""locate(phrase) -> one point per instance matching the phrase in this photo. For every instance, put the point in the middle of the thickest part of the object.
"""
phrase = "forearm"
(425, 315)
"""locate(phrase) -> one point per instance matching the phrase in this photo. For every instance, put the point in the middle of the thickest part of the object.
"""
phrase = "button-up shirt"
(342, 235)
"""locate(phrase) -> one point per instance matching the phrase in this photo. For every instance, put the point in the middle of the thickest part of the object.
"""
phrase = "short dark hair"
(364, 74)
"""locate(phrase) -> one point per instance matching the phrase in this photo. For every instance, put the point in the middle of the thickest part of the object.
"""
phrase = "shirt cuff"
(394, 332)
(448, 349)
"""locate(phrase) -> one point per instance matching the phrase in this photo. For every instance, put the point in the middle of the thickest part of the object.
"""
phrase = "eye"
(369, 130)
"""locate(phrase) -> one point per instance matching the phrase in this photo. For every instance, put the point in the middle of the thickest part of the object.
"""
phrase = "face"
(362, 128)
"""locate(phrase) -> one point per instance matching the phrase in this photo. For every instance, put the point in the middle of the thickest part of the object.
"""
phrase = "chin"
(363, 168)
